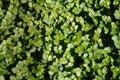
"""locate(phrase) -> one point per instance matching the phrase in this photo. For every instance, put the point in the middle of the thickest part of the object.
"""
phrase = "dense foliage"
(59, 39)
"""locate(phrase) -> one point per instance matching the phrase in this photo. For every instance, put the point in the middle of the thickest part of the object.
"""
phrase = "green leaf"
(40, 2)
(106, 30)
(104, 70)
(1, 13)
(63, 61)
(115, 71)
(116, 2)
(37, 7)
(1, 4)
(78, 71)
(30, 4)
(116, 41)
(99, 72)
(23, 1)
(12, 77)
(77, 10)
(98, 78)
(50, 3)
(117, 14)
(91, 12)
(70, 0)
(2, 77)
(105, 3)
(113, 29)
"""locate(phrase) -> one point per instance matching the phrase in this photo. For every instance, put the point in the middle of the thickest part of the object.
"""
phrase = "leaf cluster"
(59, 40)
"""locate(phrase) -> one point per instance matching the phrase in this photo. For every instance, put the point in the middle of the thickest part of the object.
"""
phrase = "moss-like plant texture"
(59, 39)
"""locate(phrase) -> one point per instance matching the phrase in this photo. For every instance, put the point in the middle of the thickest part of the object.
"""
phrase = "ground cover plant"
(59, 39)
